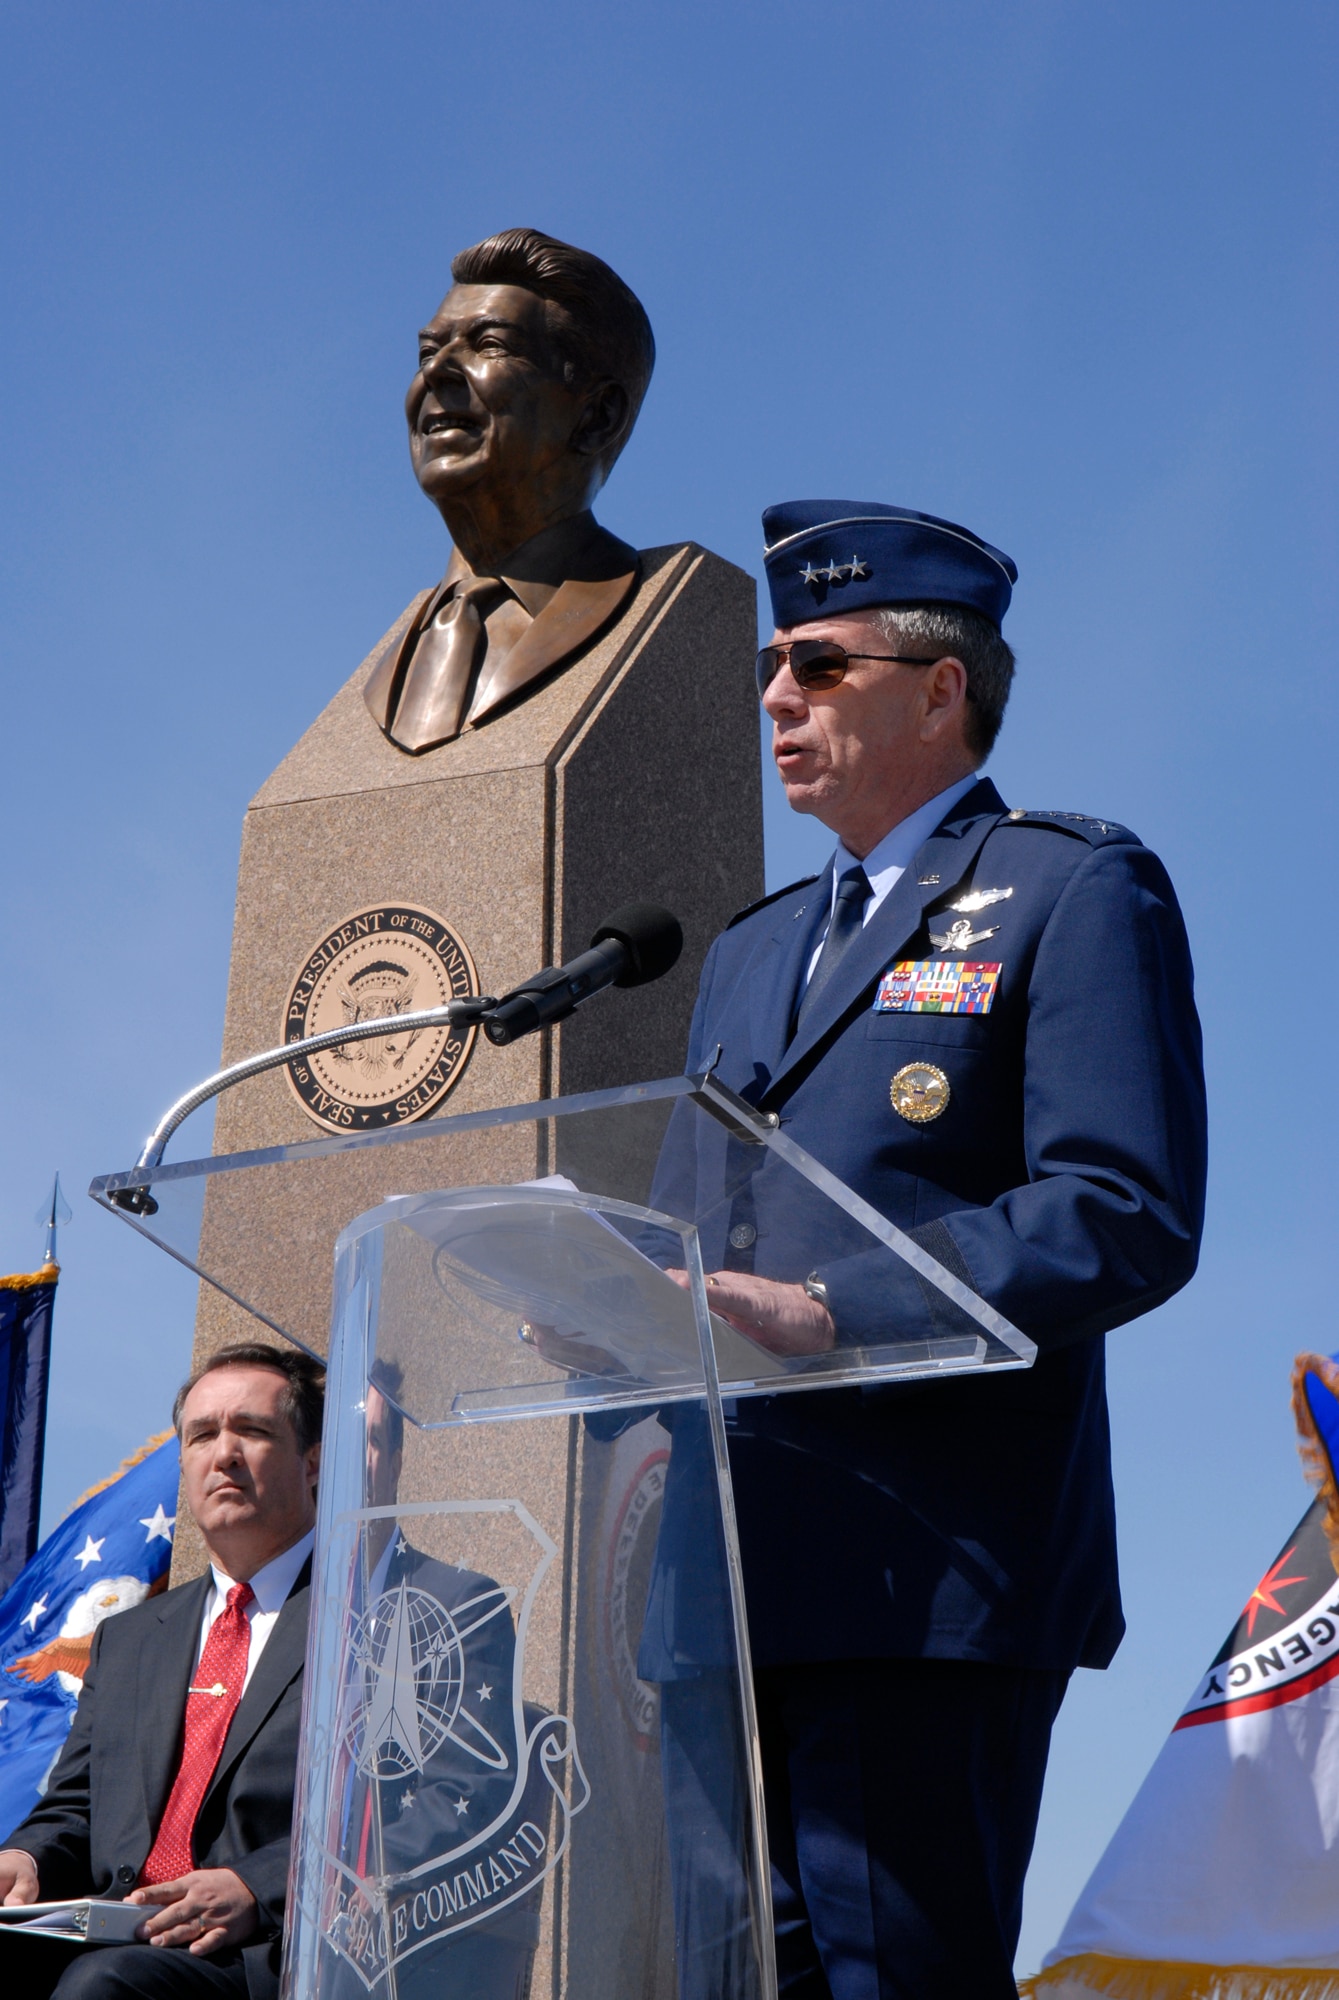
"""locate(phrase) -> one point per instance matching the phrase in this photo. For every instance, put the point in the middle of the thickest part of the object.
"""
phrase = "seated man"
(175, 1788)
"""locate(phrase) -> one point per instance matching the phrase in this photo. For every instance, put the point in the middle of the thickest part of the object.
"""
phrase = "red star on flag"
(1263, 1594)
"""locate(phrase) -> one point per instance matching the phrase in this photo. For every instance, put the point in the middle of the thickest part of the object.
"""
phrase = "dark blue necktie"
(848, 917)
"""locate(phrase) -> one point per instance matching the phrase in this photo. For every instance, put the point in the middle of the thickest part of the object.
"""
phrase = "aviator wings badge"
(980, 899)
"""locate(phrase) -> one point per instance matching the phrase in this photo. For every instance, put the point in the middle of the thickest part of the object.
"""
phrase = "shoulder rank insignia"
(1084, 826)
(938, 986)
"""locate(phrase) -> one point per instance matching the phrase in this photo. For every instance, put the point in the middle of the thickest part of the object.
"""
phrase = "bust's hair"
(606, 335)
(968, 636)
(304, 1398)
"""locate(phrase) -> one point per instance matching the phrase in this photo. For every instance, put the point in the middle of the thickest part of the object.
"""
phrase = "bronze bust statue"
(530, 376)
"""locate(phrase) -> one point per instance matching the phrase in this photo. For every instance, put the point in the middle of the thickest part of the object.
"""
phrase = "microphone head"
(651, 937)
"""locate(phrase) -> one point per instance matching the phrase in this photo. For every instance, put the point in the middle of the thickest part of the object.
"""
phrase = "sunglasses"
(819, 663)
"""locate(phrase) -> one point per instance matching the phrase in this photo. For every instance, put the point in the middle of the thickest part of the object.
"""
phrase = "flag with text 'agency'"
(110, 1552)
(25, 1363)
(1222, 1881)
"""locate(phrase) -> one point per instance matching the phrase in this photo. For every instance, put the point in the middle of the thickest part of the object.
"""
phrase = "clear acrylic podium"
(529, 1758)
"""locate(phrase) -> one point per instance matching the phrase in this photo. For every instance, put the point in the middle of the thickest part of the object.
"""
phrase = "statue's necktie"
(848, 917)
(211, 1701)
(437, 685)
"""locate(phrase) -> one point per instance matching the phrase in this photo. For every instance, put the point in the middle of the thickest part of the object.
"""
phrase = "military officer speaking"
(982, 1020)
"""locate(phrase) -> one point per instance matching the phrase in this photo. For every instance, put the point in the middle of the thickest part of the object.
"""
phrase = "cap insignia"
(835, 572)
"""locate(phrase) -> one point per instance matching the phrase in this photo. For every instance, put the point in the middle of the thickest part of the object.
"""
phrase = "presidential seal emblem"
(394, 959)
(920, 1091)
(626, 1587)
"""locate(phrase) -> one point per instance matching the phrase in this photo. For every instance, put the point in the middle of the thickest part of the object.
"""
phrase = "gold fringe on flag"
(1315, 1459)
(1090, 1976)
(23, 1281)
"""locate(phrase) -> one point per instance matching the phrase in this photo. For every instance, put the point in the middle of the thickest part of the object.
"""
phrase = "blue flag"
(25, 1362)
(111, 1552)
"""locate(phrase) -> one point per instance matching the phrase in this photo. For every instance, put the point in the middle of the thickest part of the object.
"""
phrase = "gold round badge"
(919, 1092)
(393, 959)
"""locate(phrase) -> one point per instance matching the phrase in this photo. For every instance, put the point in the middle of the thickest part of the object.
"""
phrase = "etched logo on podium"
(393, 959)
(448, 1795)
(413, 1652)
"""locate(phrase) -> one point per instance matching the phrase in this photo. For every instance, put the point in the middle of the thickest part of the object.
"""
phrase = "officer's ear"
(943, 693)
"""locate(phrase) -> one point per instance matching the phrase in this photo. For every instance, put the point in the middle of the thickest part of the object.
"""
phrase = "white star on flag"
(35, 1613)
(91, 1552)
(158, 1523)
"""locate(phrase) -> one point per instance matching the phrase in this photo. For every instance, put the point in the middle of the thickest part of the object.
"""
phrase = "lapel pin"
(928, 882)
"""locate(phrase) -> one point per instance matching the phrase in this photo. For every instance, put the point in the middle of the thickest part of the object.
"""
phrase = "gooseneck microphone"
(638, 943)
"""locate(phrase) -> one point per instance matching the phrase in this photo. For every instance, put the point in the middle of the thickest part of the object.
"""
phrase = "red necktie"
(211, 1701)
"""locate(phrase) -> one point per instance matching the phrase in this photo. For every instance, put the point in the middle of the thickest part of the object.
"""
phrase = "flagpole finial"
(52, 1216)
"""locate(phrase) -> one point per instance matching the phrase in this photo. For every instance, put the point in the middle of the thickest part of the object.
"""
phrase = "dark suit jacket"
(971, 1518)
(92, 1832)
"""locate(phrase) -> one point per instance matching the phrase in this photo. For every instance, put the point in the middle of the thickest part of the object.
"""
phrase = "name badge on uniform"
(938, 986)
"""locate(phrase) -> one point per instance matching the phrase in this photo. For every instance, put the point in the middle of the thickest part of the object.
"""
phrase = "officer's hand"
(782, 1318)
(201, 1911)
(18, 1877)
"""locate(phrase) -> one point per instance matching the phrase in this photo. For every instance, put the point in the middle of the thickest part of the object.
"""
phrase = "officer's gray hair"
(969, 637)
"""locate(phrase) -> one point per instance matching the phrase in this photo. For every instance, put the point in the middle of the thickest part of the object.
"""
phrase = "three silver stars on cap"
(835, 572)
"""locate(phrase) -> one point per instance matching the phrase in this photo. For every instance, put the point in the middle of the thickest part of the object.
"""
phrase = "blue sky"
(1064, 272)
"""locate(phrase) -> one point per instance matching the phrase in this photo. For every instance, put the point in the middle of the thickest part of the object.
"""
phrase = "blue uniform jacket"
(972, 1518)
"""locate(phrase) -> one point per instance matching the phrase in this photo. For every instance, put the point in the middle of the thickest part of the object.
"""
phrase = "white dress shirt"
(271, 1586)
(888, 862)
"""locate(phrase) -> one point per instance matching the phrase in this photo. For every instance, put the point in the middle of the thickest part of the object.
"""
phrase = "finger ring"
(713, 1281)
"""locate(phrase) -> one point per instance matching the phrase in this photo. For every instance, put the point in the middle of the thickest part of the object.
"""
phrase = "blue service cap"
(827, 556)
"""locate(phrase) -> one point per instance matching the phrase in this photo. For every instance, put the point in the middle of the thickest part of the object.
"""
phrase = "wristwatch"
(815, 1289)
